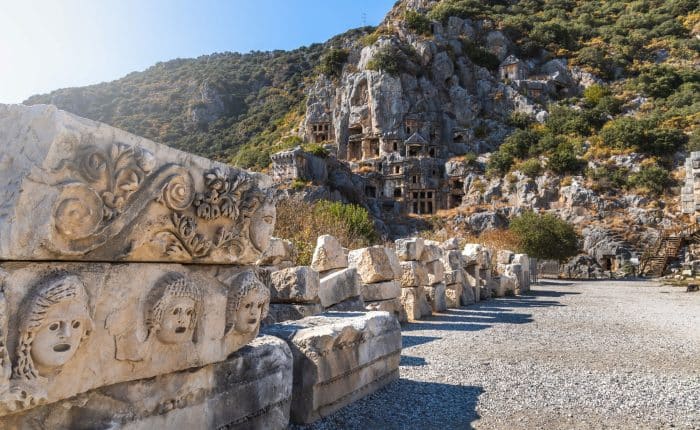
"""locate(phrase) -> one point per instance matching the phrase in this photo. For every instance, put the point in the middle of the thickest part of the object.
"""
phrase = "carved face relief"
(59, 336)
(262, 225)
(173, 308)
(177, 324)
(249, 313)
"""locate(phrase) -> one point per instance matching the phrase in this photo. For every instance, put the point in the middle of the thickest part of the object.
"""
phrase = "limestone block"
(524, 262)
(393, 306)
(375, 264)
(436, 297)
(431, 252)
(381, 291)
(453, 260)
(281, 253)
(73, 327)
(251, 389)
(425, 307)
(455, 277)
(468, 296)
(436, 272)
(299, 284)
(328, 254)
(515, 271)
(506, 285)
(411, 298)
(504, 256)
(354, 304)
(75, 189)
(472, 252)
(291, 311)
(414, 274)
(453, 295)
(339, 359)
(339, 286)
(450, 244)
(409, 249)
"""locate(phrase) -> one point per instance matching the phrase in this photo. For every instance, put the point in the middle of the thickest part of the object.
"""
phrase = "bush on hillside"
(332, 62)
(545, 236)
(417, 22)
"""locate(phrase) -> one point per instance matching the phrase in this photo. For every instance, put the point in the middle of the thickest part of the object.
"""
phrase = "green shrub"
(594, 93)
(566, 120)
(607, 178)
(480, 56)
(500, 162)
(545, 236)
(332, 62)
(387, 59)
(417, 22)
(657, 81)
(653, 178)
(531, 168)
(459, 8)
(316, 149)
(520, 143)
(642, 135)
(354, 218)
(563, 160)
(520, 120)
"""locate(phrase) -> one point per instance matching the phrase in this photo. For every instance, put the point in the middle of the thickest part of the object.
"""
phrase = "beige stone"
(453, 295)
(74, 327)
(291, 311)
(451, 244)
(354, 304)
(468, 296)
(74, 189)
(431, 252)
(436, 297)
(409, 249)
(338, 286)
(453, 260)
(393, 306)
(381, 291)
(411, 301)
(504, 256)
(375, 264)
(339, 359)
(426, 309)
(436, 272)
(414, 274)
(455, 277)
(281, 253)
(328, 254)
(251, 389)
(295, 285)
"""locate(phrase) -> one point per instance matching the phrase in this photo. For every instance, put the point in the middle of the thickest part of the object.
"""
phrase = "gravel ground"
(575, 355)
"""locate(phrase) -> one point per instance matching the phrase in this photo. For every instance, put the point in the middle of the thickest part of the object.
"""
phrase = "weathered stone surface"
(436, 297)
(476, 254)
(381, 290)
(328, 254)
(393, 306)
(504, 257)
(339, 359)
(299, 284)
(74, 327)
(338, 286)
(453, 295)
(431, 252)
(415, 274)
(354, 304)
(425, 308)
(291, 311)
(453, 260)
(468, 296)
(524, 261)
(436, 272)
(507, 285)
(409, 249)
(455, 277)
(281, 253)
(251, 389)
(450, 244)
(375, 264)
(74, 189)
(411, 298)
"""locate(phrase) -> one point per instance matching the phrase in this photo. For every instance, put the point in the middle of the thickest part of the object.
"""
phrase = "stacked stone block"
(414, 277)
(339, 287)
(294, 294)
(378, 271)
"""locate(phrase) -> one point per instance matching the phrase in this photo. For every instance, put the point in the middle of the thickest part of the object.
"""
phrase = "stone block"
(393, 306)
(455, 277)
(381, 291)
(453, 295)
(299, 284)
(411, 298)
(339, 359)
(468, 296)
(328, 254)
(506, 285)
(375, 264)
(453, 260)
(409, 249)
(504, 256)
(354, 304)
(68, 328)
(414, 274)
(338, 286)
(251, 389)
(436, 272)
(436, 297)
(281, 253)
(450, 244)
(75, 189)
(426, 308)
(431, 252)
(291, 311)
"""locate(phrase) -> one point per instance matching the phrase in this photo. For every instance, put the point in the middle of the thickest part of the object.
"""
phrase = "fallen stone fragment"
(381, 291)
(291, 311)
(414, 274)
(409, 249)
(328, 254)
(393, 306)
(338, 286)
(436, 297)
(295, 285)
(375, 264)
(411, 298)
(453, 295)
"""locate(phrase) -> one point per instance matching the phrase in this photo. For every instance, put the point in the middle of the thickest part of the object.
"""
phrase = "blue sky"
(51, 44)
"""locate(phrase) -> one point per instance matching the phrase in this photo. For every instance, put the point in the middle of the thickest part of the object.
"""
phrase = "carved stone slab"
(252, 389)
(75, 189)
(339, 358)
(73, 327)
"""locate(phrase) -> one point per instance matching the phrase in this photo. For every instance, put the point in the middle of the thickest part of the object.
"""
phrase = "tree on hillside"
(545, 236)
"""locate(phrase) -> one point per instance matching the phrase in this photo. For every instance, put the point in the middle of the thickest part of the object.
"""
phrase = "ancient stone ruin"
(135, 280)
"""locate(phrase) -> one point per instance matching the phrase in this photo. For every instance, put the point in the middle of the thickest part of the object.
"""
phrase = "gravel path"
(575, 355)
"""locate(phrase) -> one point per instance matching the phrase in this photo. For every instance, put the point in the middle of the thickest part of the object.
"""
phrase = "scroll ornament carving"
(223, 196)
(107, 189)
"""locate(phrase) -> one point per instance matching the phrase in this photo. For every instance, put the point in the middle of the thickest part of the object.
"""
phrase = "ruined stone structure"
(690, 193)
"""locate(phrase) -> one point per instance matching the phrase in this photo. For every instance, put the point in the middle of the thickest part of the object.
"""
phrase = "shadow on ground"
(425, 405)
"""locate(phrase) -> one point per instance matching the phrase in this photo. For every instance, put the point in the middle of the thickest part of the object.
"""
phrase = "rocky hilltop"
(471, 111)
